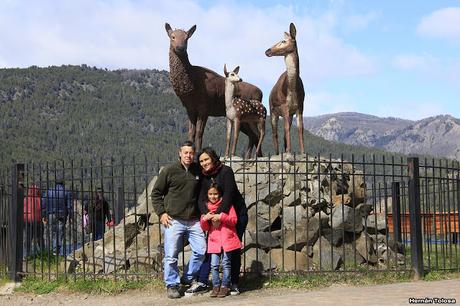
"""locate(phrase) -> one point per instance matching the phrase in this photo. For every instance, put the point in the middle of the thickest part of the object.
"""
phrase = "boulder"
(325, 257)
(344, 217)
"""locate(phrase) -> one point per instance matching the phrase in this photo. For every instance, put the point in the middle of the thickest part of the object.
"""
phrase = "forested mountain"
(81, 112)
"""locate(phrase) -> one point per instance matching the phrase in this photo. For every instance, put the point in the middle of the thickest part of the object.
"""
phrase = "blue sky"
(384, 58)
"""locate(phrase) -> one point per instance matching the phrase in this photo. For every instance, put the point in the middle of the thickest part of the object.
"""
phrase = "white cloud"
(130, 34)
(415, 62)
(429, 67)
(443, 23)
(360, 21)
(319, 103)
(412, 110)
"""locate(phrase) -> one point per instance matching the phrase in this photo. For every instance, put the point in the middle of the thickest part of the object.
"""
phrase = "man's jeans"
(173, 243)
(226, 262)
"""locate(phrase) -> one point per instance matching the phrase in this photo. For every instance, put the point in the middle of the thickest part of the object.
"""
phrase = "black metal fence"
(306, 214)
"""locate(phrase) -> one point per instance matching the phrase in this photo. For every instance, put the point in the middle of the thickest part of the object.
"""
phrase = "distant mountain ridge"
(82, 112)
(438, 136)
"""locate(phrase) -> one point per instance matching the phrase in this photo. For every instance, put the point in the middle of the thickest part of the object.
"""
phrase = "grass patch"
(3, 280)
(88, 285)
(39, 286)
(312, 281)
(249, 281)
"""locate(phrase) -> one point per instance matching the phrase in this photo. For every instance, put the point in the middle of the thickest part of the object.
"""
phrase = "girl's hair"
(211, 153)
(216, 186)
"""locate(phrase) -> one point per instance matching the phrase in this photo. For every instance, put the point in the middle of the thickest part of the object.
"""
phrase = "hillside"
(80, 112)
(437, 136)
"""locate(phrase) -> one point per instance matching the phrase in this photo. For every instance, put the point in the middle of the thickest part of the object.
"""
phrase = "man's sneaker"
(234, 290)
(173, 292)
(196, 288)
(185, 282)
(223, 292)
(215, 291)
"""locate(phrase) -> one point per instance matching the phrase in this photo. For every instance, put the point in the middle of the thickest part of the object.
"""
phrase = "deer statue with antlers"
(239, 110)
(287, 96)
(201, 90)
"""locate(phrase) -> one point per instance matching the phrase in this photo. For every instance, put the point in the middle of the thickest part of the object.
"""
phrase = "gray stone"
(337, 237)
(262, 216)
(306, 233)
(364, 246)
(325, 257)
(344, 217)
(287, 260)
(375, 223)
(264, 240)
(257, 260)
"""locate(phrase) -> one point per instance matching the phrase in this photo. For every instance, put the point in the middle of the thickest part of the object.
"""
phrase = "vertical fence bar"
(396, 207)
(16, 222)
(415, 222)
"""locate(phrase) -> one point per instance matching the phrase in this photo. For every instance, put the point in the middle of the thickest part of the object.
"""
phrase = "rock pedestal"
(303, 214)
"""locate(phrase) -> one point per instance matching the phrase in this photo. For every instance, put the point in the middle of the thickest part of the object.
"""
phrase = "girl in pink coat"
(222, 239)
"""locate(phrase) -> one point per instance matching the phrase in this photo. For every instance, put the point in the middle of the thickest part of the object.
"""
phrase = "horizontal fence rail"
(306, 214)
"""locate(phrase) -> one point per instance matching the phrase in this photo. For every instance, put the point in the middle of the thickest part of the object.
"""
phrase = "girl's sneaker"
(223, 292)
(234, 290)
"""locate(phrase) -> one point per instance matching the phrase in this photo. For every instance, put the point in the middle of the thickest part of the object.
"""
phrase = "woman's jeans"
(226, 267)
(173, 244)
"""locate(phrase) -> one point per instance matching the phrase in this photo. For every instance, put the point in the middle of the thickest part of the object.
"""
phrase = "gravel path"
(390, 294)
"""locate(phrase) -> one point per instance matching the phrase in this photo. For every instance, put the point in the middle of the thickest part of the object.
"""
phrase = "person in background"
(33, 226)
(222, 240)
(98, 211)
(57, 208)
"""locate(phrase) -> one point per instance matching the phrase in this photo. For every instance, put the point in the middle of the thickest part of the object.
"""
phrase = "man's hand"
(165, 219)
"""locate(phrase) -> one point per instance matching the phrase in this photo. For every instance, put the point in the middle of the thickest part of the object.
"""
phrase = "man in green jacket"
(174, 199)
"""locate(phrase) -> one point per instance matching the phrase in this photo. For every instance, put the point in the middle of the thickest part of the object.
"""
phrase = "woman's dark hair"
(211, 153)
(217, 187)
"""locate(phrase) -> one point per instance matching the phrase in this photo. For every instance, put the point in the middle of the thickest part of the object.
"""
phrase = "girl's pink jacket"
(224, 236)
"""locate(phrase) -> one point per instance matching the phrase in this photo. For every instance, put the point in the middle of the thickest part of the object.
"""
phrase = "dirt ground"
(389, 294)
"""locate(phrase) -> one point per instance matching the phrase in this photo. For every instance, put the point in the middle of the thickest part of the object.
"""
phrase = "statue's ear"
(287, 36)
(292, 30)
(168, 29)
(237, 69)
(225, 70)
(191, 31)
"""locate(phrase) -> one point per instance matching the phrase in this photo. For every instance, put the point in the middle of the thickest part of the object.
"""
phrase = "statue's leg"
(274, 121)
(236, 131)
(228, 138)
(287, 132)
(191, 127)
(261, 127)
(299, 116)
(200, 125)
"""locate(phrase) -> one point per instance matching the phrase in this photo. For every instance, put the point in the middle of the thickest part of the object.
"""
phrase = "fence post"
(415, 217)
(119, 205)
(396, 208)
(16, 223)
